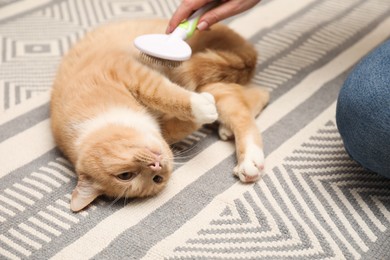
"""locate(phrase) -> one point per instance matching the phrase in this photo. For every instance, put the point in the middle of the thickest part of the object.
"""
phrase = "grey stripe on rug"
(314, 202)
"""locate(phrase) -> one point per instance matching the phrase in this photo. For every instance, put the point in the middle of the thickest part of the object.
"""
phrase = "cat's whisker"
(114, 201)
(178, 160)
(172, 161)
(125, 198)
(185, 150)
(184, 157)
(120, 196)
(175, 161)
(180, 154)
(179, 163)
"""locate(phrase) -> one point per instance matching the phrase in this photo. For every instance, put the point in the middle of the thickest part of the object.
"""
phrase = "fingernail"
(202, 25)
(169, 29)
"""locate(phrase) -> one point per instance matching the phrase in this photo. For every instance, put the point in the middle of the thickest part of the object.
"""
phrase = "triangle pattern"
(335, 209)
(244, 228)
(352, 201)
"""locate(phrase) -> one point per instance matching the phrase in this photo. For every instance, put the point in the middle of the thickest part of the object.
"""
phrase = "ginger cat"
(114, 114)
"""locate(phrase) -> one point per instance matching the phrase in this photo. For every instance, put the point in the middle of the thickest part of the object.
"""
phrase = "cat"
(114, 115)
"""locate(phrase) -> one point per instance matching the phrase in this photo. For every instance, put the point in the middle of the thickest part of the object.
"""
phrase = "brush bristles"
(162, 62)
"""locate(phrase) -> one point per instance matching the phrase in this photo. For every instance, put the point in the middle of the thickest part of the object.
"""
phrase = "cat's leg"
(157, 92)
(174, 129)
(256, 98)
(237, 107)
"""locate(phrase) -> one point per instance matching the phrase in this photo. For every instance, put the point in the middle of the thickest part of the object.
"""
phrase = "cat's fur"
(114, 115)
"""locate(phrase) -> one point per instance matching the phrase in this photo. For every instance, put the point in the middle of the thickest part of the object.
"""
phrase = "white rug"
(314, 202)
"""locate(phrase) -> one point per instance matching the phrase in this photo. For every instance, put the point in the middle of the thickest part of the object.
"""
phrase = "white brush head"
(168, 47)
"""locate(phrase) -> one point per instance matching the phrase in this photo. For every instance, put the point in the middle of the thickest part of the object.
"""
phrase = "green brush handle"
(187, 28)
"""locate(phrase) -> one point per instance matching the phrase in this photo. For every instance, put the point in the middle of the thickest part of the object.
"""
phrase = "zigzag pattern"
(334, 209)
(349, 199)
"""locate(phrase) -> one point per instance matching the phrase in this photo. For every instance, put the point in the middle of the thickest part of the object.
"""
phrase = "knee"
(365, 130)
(363, 116)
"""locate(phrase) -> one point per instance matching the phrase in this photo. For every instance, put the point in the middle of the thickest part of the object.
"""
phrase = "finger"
(217, 14)
(185, 9)
(223, 11)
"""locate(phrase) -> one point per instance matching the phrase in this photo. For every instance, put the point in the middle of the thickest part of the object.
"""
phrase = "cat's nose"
(155, 166)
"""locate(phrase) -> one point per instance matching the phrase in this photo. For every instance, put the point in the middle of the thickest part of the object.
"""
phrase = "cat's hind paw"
(203, 108)
(224, 132)
(251, 169)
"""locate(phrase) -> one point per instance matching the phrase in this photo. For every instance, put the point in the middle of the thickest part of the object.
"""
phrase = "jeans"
(363, 111)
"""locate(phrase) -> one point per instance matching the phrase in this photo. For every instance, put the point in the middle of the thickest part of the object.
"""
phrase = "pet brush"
(171, 50)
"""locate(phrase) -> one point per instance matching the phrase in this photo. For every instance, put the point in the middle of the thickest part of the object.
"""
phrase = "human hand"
(225, 9)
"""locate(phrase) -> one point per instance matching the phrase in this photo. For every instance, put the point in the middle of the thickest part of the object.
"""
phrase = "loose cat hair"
(114, 115)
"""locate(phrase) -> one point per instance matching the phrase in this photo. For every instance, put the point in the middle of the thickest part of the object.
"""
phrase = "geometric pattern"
(24, 196)
(60, 26)
(40, 226)
(35, 57)
(308, 39)
(343, 195)
(315, 203)
(337, 212)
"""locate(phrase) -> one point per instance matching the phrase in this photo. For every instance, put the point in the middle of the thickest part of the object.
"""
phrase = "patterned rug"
(313, 203)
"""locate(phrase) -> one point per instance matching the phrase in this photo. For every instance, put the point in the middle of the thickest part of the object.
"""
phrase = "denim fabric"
(363, 111)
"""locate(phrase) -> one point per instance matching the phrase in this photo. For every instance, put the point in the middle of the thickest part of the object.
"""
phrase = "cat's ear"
(83, 194)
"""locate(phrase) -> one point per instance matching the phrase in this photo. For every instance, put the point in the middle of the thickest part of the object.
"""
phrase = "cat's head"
(120, 162)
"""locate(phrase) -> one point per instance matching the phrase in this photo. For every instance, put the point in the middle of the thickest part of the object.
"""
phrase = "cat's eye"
(158, 179)
(126, 176)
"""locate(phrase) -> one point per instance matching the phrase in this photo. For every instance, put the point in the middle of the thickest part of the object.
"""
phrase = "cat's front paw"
(250, 169)
(203, 108)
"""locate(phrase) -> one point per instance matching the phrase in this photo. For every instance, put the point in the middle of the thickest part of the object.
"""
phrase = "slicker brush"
(171, 49)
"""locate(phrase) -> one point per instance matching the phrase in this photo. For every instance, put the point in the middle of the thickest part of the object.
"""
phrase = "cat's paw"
(203, 108)
(250, 169)
(224, 132)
